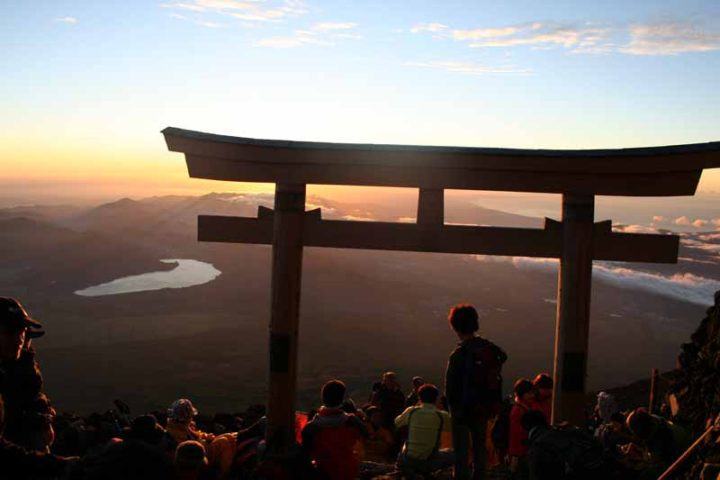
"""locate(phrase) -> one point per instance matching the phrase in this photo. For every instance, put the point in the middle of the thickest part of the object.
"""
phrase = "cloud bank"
(661, 38)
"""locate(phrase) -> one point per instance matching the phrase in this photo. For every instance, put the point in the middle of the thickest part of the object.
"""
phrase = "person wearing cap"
(181, 425)
(20, 378)
(25, 412)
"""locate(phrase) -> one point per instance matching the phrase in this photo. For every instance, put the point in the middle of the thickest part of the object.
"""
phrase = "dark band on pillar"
(279, 352)
(573, 379)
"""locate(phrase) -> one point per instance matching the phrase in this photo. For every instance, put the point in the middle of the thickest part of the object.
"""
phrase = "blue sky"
(87, 85)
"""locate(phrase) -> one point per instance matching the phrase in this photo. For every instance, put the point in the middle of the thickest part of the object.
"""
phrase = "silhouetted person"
(473, 385)
(381, 441)
(25, 413)
(613, 434)
(389, 398)
(562, 454)
(412, 398)
(421, 453)
(28, 412)
(663, 440)
(330, 438)
(20, 463)
(127, 460)
(191, 461)
(181, 424)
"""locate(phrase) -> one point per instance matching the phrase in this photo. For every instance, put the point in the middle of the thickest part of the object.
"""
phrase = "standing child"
(518, 448)
(543, 385)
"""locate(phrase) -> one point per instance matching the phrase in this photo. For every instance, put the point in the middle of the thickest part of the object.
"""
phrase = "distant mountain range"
(362, 311)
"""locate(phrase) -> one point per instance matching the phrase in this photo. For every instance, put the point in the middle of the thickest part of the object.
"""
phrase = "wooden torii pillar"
(579, 175)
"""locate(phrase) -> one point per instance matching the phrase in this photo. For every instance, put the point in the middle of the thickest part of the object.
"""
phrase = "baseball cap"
(14, 315)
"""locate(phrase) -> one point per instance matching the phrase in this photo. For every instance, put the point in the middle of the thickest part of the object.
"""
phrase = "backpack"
(482, 386)
(585, 453)
(578, 450)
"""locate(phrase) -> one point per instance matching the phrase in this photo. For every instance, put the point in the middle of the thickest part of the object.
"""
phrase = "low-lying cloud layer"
(681, 286)
(660, 38)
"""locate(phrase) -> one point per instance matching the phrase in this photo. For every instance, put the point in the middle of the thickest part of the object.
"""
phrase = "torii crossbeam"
(576, 240)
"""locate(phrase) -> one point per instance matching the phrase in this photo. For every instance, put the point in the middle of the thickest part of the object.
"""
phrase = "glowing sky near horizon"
(86, 86)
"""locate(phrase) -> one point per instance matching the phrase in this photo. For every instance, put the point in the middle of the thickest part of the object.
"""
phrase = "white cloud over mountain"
(664, 38)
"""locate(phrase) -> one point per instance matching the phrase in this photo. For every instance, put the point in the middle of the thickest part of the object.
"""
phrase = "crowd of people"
(467, 427)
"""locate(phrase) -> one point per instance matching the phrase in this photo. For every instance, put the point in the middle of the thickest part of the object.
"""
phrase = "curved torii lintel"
(650, 171)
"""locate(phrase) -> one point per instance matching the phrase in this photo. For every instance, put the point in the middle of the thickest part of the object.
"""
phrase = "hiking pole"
(653, 386)
(691, 449)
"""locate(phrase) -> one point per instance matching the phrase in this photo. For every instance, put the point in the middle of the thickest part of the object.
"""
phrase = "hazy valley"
(362, 312)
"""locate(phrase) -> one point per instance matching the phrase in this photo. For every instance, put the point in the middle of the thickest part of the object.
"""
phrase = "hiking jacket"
(667, 442)
(517, 445)
(181, 432)
(19, 462)
(330, 439)
(425, 426)
(21, 391)
(455, 376)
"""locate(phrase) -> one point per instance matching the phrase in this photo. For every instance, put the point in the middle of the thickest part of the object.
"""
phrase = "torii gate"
(578, 175)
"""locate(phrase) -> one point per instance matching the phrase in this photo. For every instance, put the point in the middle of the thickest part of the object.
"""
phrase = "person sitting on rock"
(181, 425)
(389, 399)
(412, 398)
(421, 453)
(329, 439)
(380, 441)
(613, 435)
(663, 440)
(563, 453)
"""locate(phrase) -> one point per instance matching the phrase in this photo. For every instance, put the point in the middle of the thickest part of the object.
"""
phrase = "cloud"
(658, 219)
(670, 38)
(67, 20)
(635, 229)
(325, 33)
(469, 68)
(428, 27)
(298, 39)
(585, 37)
(332, 26)
(681, 286)
(684, 221)
(357, 218)
(708, 247)
(700, 223)
(710, 237)
(247, 10)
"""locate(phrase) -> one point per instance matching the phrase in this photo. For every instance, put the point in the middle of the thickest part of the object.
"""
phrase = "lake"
(187, 273)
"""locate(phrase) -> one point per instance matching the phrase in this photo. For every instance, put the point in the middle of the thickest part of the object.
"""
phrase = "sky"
(86, 86)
